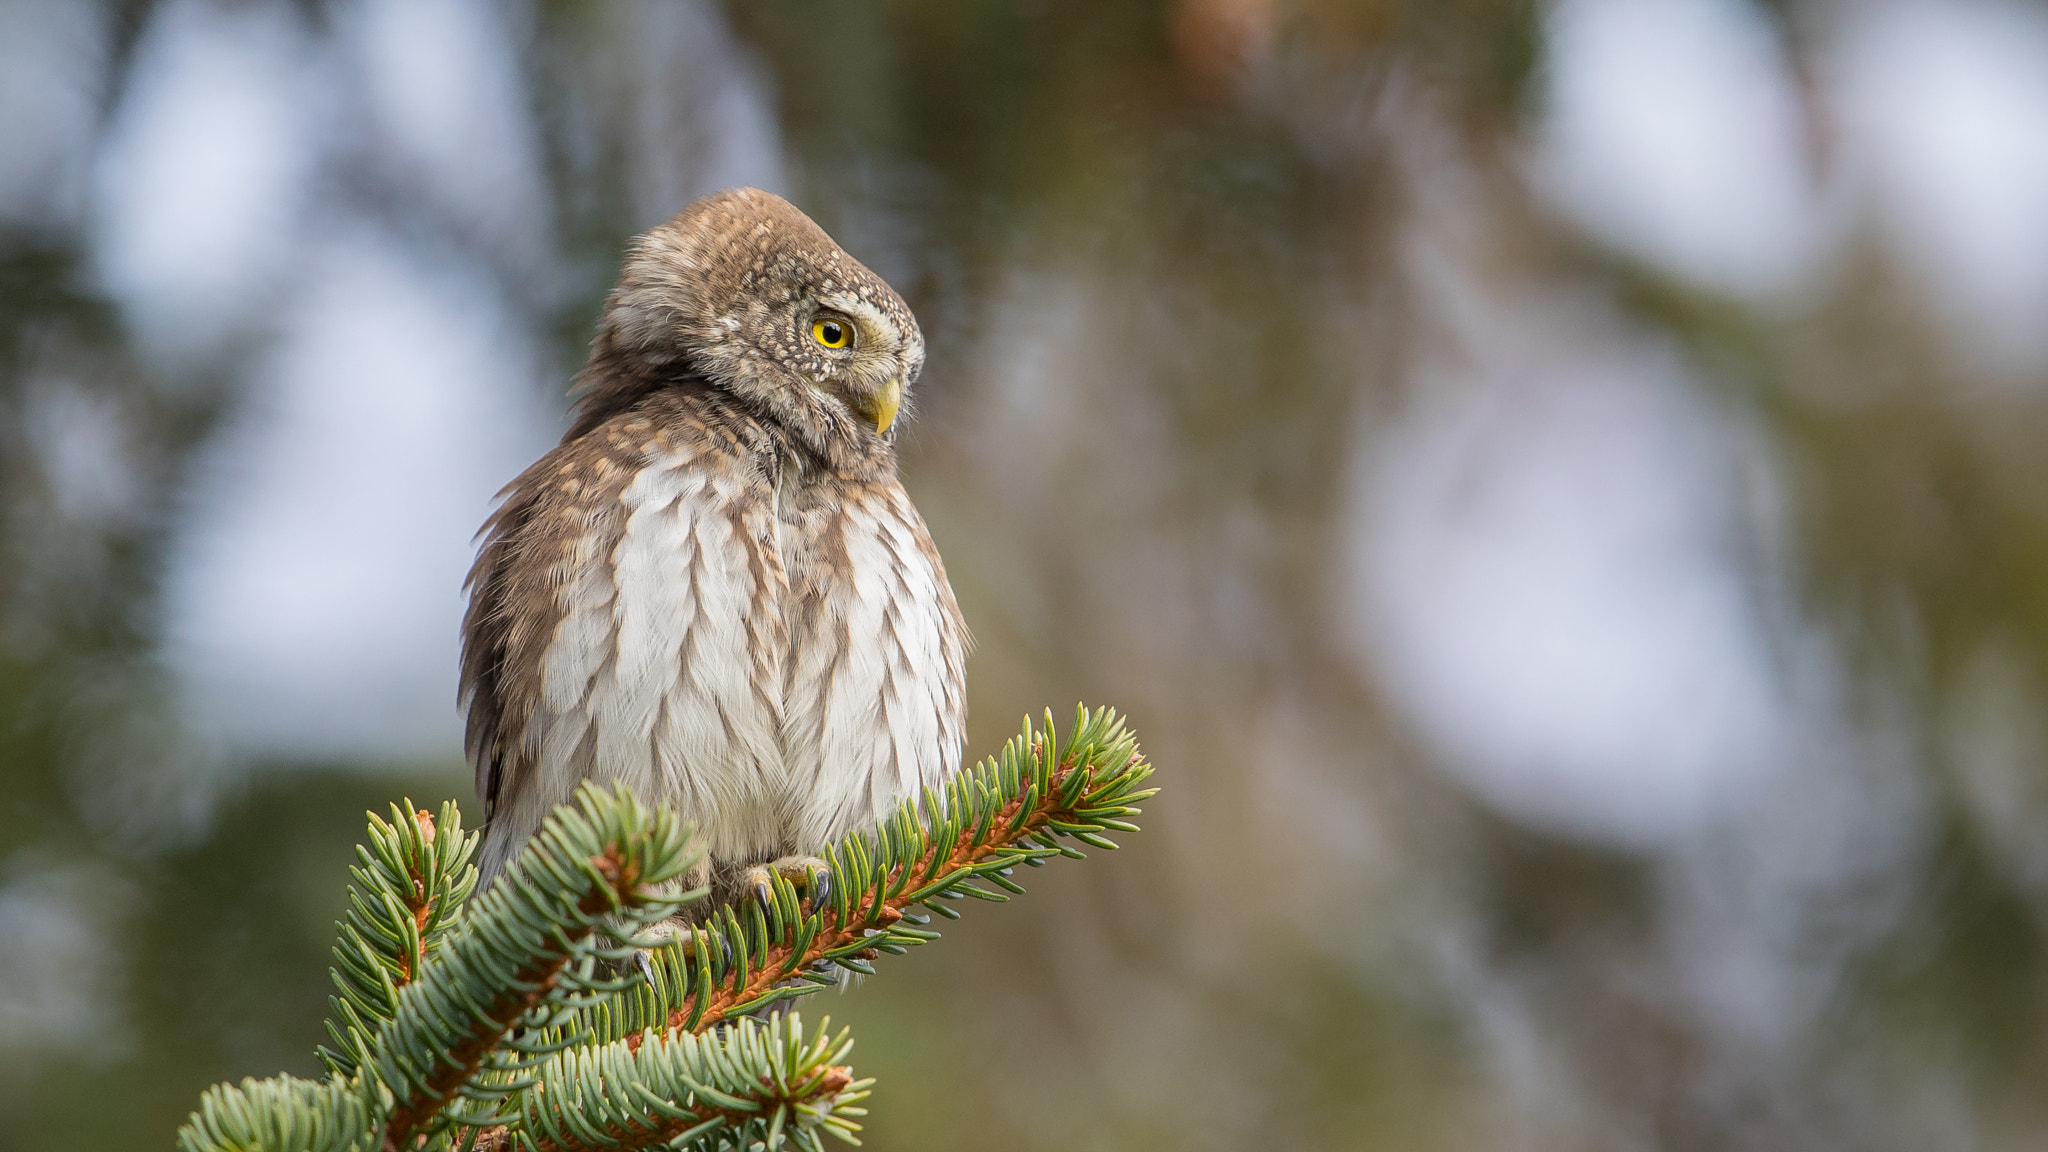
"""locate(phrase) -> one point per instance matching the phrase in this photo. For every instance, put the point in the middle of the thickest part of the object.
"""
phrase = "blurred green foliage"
(1320, 942)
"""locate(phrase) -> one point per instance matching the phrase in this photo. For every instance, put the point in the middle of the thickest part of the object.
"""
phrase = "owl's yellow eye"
(831, 333)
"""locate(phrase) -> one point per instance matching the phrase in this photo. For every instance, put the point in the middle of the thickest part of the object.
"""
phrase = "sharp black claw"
(820, 885)
(811, 876)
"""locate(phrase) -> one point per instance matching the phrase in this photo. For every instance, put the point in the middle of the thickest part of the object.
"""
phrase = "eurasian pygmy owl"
(715, 589)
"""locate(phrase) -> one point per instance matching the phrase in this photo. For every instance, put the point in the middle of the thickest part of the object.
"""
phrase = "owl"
(715, 590)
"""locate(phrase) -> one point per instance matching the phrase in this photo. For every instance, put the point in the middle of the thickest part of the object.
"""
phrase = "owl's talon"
(718, 941)
(816, 881)
(761, 882)
(685, 940)
(658, 936)
(811, 876)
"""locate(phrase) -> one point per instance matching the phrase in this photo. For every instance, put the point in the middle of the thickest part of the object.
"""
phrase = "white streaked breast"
(651, 678)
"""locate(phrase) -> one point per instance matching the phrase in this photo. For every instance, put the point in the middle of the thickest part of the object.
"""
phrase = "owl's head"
(744, 292)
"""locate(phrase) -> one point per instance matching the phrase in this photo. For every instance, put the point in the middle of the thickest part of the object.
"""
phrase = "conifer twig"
(756, 1082)
(606, 858)
(409, 887)
(483, 1023)
(1013, 808)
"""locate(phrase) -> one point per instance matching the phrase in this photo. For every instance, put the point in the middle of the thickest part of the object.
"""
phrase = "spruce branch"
(281, 1114)
(483, 1022)
(525, 953)
(755, 1084)
(408, 891)
(1017, 807)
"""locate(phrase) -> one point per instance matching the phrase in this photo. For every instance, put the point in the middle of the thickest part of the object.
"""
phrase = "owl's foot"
(676, 928)
(670, 932)
(659, 936)
(812, 876)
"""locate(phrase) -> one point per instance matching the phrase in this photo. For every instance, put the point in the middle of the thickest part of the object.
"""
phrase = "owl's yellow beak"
(881, 407)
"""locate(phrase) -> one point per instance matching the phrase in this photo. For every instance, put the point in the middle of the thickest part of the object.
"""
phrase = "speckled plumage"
(715, 589)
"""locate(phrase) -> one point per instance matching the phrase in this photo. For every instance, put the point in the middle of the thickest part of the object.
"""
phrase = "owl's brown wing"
(514, 610)
(625, 624)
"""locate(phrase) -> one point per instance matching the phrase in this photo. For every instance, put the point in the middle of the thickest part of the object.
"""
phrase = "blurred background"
(1559, 488)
